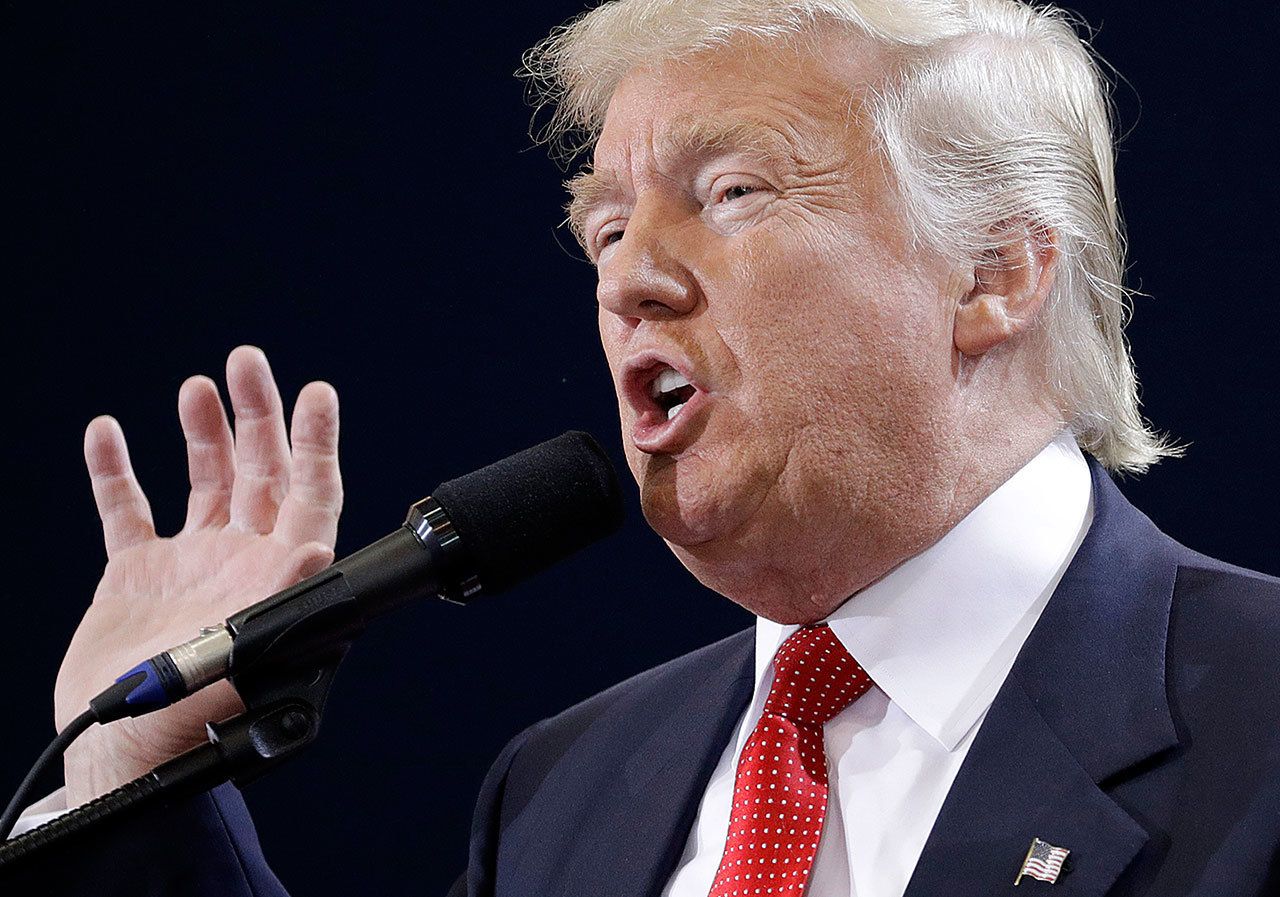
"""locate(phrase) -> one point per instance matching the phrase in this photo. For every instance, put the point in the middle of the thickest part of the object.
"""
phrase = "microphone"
(475, 535)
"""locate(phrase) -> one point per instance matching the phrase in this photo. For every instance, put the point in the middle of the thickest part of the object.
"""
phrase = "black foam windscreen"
(524, 513)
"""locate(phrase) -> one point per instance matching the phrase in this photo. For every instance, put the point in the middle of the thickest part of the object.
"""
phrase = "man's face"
(748, 241)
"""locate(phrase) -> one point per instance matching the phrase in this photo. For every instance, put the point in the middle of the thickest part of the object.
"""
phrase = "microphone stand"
(284, 700)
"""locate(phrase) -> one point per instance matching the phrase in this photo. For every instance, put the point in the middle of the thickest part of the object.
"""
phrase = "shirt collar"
(940, 632)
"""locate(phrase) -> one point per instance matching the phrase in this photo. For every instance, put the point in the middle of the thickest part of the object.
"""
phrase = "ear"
(1010, 287)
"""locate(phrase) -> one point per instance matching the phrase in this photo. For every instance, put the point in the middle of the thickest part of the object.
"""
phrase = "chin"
(683, 524)
(713, 526)
(691, 502)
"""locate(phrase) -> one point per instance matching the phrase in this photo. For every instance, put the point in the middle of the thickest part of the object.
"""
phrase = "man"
(859, 270)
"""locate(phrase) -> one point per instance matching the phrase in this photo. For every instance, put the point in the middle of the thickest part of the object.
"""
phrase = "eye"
(737, 191)
(606, 237)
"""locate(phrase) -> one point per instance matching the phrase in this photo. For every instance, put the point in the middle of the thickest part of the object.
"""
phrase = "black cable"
(56, 749)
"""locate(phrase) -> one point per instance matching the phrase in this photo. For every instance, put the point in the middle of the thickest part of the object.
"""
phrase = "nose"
(645, 275)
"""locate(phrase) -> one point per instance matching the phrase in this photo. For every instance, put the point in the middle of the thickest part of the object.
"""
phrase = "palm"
(261, 516)
(191, 580)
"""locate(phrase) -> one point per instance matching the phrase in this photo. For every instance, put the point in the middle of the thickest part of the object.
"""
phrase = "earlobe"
(1009, 289)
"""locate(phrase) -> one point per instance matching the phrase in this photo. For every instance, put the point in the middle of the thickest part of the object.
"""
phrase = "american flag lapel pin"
(1043, 862)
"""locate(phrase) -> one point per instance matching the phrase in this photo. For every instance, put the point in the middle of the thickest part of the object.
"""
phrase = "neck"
(825, 565)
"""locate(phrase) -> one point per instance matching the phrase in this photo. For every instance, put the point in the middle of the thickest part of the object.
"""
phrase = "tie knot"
(814, 677)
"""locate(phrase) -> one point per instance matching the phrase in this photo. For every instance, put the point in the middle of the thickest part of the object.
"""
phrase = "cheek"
(834, 327)
(803, 308)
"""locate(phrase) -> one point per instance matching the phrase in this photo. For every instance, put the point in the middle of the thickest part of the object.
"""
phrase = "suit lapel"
(630, 822)
(666, 778)
(1085, 701)
(1020, 782)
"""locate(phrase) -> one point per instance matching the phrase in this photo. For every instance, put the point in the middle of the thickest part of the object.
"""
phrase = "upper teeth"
(667, 381)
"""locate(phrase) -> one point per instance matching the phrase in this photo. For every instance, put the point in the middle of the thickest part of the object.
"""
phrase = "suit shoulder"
(1235, 596)
(1212, 567)
(1224, 630)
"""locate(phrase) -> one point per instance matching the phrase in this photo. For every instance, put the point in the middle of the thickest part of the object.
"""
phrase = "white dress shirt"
(938, 635)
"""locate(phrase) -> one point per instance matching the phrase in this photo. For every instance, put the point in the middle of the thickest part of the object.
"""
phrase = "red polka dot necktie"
(780, 793)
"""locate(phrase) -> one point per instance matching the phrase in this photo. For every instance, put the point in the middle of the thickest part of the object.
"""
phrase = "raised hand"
(263, 513)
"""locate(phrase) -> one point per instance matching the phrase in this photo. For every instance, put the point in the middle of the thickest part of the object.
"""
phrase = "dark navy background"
(353, 189)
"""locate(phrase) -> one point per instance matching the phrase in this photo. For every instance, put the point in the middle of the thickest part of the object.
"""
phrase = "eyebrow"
(687, 138)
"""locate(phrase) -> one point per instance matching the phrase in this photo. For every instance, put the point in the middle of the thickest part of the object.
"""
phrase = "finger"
(261, 445)
(305, 560)
(311, 508)
(210, 453)
(122, 505)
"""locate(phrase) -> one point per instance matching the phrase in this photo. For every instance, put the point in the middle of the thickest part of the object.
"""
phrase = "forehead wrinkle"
(748, 135)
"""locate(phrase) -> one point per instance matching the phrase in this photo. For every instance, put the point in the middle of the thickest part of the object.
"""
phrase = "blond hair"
(994, 113)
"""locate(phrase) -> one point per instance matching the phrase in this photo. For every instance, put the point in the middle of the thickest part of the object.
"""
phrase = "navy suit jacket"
(1139, 727)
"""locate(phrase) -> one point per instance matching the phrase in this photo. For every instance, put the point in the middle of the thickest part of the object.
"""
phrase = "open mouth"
(671, 391)
(667, 404)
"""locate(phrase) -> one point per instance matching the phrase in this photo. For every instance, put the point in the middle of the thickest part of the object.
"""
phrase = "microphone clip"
(284, 657)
